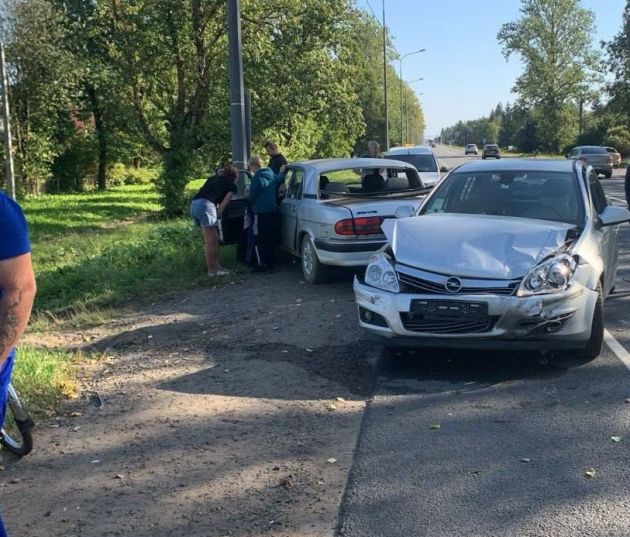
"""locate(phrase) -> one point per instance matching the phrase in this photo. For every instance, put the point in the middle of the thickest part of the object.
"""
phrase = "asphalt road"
(515, 441)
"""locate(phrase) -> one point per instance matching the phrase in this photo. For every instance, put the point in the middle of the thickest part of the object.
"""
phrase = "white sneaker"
(220, 272)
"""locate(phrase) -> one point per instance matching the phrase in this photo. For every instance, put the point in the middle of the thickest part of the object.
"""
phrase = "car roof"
(334, 164)
(589, 147)
(468, 145)
(517, 164)
(414, 150)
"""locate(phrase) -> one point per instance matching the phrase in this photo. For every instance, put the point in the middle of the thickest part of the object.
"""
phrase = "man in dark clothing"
(627, 185)
(17, 291)
(276, 159)
(206, 209)
(262, 199)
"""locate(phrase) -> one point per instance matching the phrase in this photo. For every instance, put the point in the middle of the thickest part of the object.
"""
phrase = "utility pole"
(385, 81)
(7, 125)
(237, 101)
(400, 74)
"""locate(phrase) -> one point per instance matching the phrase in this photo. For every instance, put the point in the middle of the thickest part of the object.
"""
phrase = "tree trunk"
(176, 172)
(101, 136)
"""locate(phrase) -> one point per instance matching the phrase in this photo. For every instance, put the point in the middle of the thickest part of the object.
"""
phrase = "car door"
(289, 208)
(231, 224)
(607, 236)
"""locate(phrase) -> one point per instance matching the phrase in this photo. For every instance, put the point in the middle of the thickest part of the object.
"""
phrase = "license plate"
(447, 309)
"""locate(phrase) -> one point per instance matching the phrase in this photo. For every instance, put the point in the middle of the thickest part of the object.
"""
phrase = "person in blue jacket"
(262, 199)
(17, 291)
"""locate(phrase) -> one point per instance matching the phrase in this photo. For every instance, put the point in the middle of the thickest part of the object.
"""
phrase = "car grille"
(429, 283)
(448, 326)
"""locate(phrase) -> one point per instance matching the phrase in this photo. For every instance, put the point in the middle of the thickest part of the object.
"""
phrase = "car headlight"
(380, 273)
(551, 276)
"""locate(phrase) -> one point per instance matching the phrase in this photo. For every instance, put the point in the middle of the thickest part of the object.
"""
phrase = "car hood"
(429, 178)
(474, 246)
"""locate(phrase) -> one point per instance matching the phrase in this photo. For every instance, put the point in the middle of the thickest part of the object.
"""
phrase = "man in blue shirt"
(17, 291)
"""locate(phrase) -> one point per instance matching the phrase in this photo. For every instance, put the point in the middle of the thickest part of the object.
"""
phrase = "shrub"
(619, 138)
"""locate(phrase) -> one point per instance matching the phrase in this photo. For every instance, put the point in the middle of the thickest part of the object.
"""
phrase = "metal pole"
(248, 123)
(7, 125)
(237, 104)
(401, 100)
(385, 81)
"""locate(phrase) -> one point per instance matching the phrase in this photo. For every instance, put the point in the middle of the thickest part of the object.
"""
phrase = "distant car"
(432, 143)
(596, 156)
(615, 155)
(513, 255)
(491, 150)
(422, 158)
(471, 149)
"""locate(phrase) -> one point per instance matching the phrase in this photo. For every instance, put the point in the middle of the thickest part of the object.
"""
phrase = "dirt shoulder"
(230, 411)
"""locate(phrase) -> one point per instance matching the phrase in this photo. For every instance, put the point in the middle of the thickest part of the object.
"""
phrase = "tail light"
(359, 226)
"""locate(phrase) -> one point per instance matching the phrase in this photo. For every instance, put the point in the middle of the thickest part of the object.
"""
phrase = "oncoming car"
(516, 254)
(471, 149)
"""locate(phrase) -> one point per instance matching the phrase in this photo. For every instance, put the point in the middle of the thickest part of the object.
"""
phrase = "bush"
(619, 138)
(119, 174)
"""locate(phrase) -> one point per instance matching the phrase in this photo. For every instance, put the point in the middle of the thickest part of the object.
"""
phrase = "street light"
(401, 87)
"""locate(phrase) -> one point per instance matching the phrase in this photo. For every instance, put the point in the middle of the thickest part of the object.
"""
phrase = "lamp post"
(385, 81)
(401, 87)
(237, 90)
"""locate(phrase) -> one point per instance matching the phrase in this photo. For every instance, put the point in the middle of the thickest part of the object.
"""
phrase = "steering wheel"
(542, 212)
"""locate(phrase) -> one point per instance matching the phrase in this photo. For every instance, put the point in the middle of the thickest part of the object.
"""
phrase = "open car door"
(231, 224)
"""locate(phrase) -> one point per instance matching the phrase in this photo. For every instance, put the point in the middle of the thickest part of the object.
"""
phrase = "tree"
(619, 55)
(553, 37)
(619, 138)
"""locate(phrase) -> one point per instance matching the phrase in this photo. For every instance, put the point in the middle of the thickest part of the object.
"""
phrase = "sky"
(465, 74)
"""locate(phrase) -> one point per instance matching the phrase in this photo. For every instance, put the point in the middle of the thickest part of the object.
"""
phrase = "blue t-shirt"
(13, 230)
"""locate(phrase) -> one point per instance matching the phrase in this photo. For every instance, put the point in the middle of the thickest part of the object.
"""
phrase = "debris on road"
(590, 473)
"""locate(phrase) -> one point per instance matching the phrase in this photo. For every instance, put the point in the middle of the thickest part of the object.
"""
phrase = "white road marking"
(617, 348)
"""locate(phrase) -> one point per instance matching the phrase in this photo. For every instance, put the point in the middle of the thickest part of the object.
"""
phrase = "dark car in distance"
(597, 156)
(491, 150)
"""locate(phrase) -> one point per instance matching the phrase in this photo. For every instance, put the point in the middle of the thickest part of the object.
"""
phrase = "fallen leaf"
(525, 459)
(340, 399)
(95, 461)
(435, 426)
(75, 429)
(75, 414)
(616, 438)
(590, 472)
(309, 350)
(330, 406)
(332, 460)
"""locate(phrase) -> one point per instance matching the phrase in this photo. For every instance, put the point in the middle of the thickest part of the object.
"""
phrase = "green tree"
(553, 37)
(619, 138)
(619, 55)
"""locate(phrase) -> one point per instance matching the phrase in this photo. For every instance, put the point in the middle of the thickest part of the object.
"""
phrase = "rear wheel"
(312, 269)
(594, 345)
(16, 429)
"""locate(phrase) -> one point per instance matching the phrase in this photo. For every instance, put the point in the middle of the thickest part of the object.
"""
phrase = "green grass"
(43, 378)
(97, 251)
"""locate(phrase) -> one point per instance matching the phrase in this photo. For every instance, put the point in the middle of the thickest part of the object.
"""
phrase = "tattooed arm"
(17, 283)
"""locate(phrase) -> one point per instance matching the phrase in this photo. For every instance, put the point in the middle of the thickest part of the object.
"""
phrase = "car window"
(597, 192)
(369, 181)
(573, 153)
(540, 195)
(294, 190)
(422, 163)
(593, 150)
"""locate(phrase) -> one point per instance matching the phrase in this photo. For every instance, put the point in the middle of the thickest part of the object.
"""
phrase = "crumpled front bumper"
(545, 322)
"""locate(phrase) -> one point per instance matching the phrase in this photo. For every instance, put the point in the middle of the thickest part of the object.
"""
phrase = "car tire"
(313, 270)
(498, 157)
(594, 346)
(608, 175)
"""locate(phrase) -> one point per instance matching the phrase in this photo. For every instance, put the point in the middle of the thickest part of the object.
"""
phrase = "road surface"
(482, 444)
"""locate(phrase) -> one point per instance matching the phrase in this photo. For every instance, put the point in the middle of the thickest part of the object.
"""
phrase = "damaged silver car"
(516, 254)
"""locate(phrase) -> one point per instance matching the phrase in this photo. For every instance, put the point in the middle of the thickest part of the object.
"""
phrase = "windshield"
(372, 181)
(541, 195)
(594, 150)
(422, 163)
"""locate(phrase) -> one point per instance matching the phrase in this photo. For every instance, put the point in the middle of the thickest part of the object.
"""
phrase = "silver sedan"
(516, 254)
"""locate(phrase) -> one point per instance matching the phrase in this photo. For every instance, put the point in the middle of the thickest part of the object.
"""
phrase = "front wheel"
(314, 271)
(15, 434)
(595, 342)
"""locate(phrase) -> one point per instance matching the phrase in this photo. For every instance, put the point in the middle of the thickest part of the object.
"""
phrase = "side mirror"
(443, 169)
(404, 211)
(612, 216)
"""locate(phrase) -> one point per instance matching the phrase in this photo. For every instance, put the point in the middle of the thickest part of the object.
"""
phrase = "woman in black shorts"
(206, 209)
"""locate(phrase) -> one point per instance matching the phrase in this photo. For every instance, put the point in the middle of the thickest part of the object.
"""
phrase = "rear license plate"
(447, 309)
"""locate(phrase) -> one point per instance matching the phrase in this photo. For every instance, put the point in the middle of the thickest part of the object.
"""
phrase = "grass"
(43, 378)
(94, 252)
